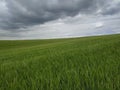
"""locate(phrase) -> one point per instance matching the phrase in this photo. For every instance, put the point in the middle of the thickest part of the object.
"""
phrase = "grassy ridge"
(89, 63)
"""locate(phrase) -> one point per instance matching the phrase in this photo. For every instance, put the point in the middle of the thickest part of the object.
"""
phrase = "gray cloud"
(112, 8)
(82, 26)
(23, 13)
(40, 18)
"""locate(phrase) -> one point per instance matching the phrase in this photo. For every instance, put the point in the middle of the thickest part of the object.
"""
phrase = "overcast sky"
(38, 19)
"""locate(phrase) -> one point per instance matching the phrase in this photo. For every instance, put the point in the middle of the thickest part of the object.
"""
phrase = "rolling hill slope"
(87, 63)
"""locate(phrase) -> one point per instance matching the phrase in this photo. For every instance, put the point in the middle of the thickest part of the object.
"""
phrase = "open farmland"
(87, 63)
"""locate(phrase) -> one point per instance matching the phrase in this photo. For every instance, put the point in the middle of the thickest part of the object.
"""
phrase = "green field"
(87, 63)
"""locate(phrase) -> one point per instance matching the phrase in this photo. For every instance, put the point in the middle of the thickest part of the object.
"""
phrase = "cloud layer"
(62, 17)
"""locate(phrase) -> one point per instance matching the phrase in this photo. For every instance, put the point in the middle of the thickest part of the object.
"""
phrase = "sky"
(44, 19)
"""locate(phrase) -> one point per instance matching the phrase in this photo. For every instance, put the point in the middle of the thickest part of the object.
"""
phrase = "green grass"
(88, 63)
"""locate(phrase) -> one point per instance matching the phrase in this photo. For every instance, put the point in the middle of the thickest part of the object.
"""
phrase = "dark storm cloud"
(28, 19)
(23, 13)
